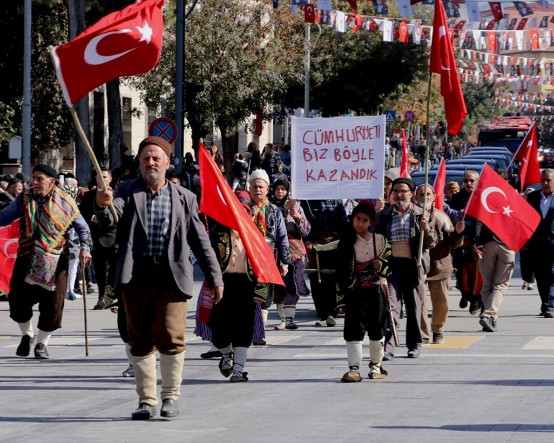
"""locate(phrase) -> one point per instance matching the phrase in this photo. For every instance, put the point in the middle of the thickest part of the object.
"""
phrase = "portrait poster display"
(338, 157)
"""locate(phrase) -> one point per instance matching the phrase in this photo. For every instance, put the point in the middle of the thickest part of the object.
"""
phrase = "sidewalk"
(475, 387)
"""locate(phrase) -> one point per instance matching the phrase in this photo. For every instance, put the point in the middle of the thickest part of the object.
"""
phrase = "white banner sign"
(339, 157)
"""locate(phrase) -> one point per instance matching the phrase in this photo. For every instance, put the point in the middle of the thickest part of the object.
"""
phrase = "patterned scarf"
(258, 215)
(58, 213)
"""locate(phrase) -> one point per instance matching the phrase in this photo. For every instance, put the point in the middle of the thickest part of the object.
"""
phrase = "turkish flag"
(403, 31)
(491, 41)
(534, 36)
(440, 183)
(444, 63)
(220, 203)
(9, 243)
(502, 209)
(309, 13)
(405, 160)
(496, 9)
(527, 155)
(123, 43)
(522, 24)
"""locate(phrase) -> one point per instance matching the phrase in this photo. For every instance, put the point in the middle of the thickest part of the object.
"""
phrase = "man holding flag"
(158, 227)
(505, 222)
(245, 252)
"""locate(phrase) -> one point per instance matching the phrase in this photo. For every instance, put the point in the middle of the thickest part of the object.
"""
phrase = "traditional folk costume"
(40, 270)
(361, 293)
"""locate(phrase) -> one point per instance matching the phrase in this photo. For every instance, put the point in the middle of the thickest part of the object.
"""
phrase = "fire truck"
(508, 131)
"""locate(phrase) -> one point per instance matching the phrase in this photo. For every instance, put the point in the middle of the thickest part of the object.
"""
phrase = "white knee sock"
(128, 353)
(354, 352)
(290, 310)
(264, 316)
(376, 350)
(281, 311)
(240, 359)
(26, 328)
(43, 337)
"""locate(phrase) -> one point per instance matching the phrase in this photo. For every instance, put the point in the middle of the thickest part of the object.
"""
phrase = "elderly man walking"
(402, 224)
(159, 226)
(46, 214)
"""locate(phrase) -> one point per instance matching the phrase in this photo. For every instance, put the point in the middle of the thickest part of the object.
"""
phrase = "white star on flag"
(506, 211)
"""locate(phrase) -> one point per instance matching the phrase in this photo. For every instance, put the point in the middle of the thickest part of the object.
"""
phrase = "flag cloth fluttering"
(123, 43)
(502, 209)
(440, 183)
(527, 155)
(220, 203)
(9, 243)
(444, 64)
(405, 159)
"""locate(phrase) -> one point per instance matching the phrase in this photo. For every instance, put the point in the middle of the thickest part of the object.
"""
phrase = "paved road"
(476, 387)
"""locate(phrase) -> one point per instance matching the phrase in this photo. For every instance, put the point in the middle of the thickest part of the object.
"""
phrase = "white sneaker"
(330, 321)
(280, 326)
(129, 372)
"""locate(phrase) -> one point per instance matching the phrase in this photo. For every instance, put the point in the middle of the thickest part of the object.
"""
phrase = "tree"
(355, 72)
(51, 121)
(240, 55)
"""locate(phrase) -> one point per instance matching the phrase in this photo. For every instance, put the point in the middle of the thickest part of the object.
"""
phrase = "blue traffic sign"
(390, 116)
(165, 128)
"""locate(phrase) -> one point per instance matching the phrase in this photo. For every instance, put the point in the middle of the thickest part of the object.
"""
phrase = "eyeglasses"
(469, 180)
(401, 191)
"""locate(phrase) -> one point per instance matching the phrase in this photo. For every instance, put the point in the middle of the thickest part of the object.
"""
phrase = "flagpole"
(471, 196)
(521, 144)
(92, 157)
(427, 143)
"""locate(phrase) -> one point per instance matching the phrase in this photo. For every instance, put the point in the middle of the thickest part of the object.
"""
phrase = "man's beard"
(402, 203)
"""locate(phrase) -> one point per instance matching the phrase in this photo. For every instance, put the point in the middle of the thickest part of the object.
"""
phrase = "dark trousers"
(365, 313)
(232, 319)
(406, 285)
(103, 259)
(544, 273)
(24, 296)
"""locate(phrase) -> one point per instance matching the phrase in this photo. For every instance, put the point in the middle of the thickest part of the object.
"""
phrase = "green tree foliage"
(355, 72)
(51, 121)
(239, 59)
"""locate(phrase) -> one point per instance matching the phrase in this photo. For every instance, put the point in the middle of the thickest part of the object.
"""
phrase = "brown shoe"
(351, 377)
(376, 372)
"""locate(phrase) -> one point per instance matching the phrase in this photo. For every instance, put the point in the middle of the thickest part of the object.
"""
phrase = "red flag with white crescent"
(443, 63)
(220, 203)
(9, 243)
(405, 161)
(440, 183)
(123, 43)
(502, 209)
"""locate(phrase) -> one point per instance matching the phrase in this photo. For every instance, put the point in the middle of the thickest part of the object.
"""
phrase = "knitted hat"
(406, 181)
(452, 185)
(259, 174)
(245, 200)
(158, 141)
(45, 169)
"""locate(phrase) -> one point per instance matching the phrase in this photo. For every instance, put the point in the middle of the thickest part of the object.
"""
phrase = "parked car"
(489, 149)
(546, 159)
(501, 161)
(451, 175)
(474, 163)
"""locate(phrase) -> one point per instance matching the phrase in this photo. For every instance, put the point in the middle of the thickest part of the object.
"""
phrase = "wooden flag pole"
(85, 305)
(92, 157)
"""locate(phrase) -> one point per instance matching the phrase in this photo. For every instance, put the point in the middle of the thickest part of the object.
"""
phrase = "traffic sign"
(165, 128)
(390, 116)
(409, 116)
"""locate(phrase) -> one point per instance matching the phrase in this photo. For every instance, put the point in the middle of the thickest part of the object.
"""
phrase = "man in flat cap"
(402, 224)
(46, 213)
(158, 226)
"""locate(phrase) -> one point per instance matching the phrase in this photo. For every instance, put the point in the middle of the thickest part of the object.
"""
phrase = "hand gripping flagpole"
(92, 157)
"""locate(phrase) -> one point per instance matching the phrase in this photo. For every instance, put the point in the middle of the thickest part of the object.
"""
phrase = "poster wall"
(338, 157)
